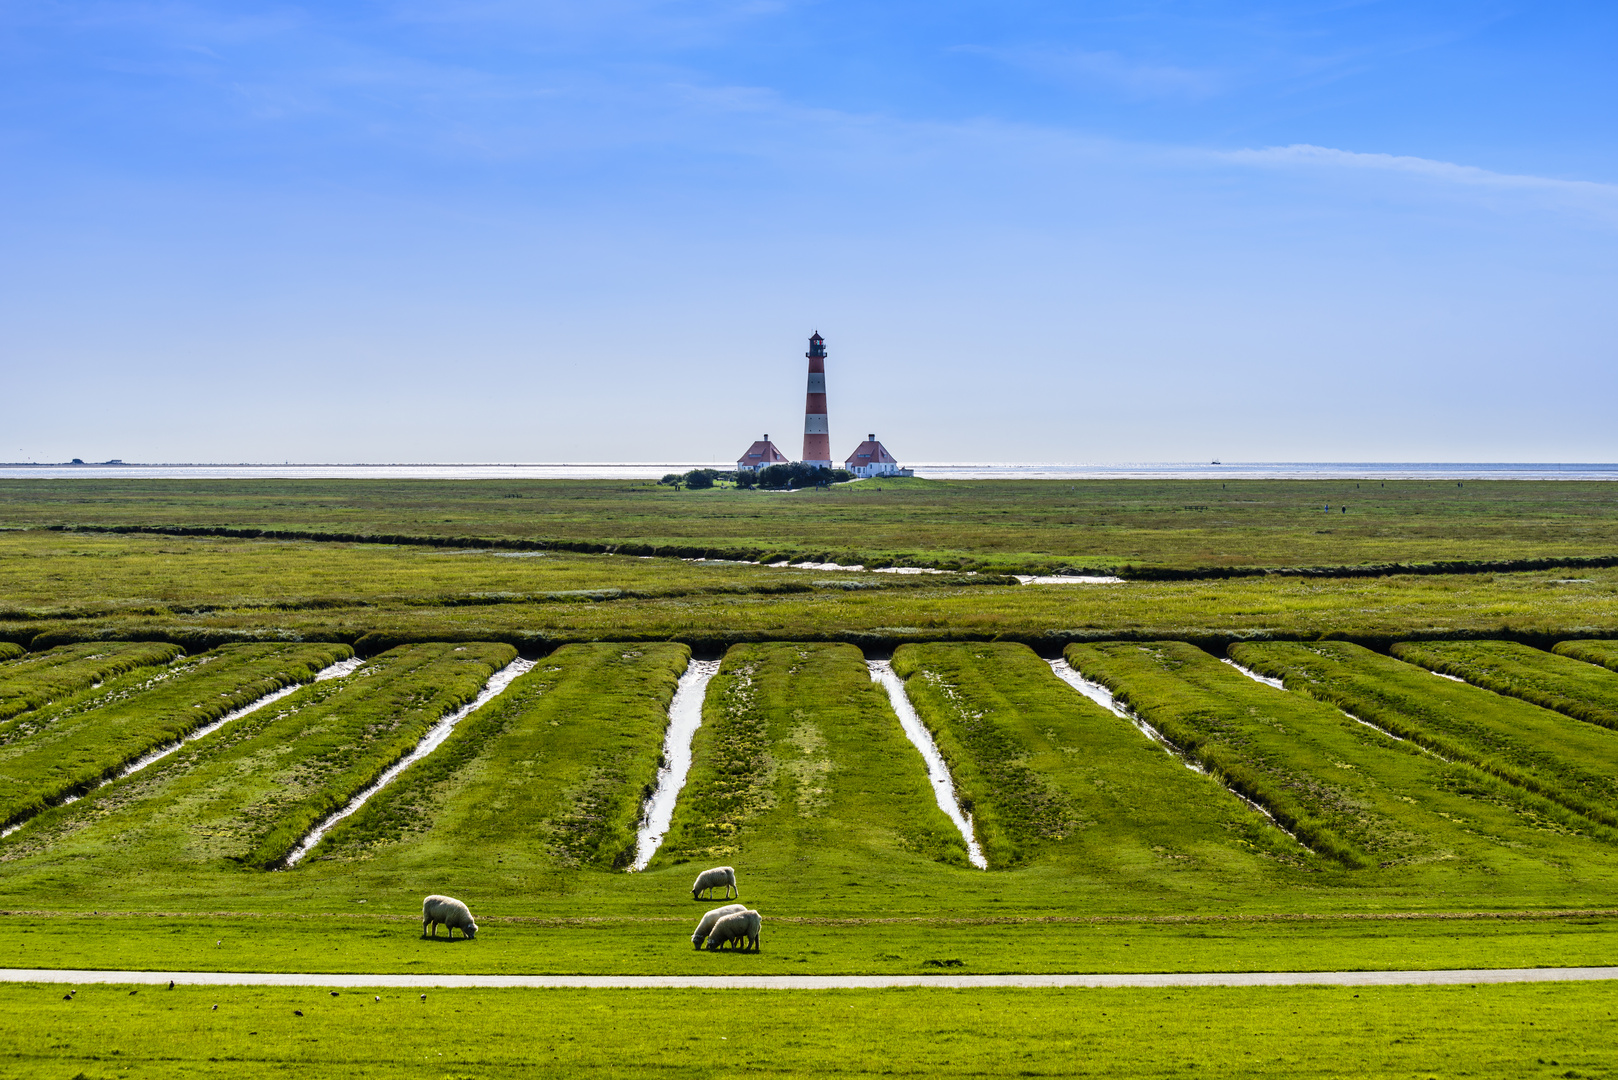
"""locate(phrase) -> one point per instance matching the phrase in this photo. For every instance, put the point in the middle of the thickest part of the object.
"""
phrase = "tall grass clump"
(72, 749)
(245, 795)
(1575, 687)
(49, 676)
(1540, 751)
(1050, 775)
(1604, 653)
(10, 650)
(550, 775)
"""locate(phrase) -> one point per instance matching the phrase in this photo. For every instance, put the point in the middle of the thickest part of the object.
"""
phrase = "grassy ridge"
(801, 772)
(1001, 755)
(246, 794)
(1289, 1032)
(1347, 791)
(9, 651)
(36, 680)
(549, 776)
(1569, 686)
(1568, 762)
(1051, 775)
(1604, 653)
(72, 749)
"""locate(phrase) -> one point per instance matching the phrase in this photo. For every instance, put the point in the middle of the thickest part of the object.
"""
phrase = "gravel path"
(822, 982)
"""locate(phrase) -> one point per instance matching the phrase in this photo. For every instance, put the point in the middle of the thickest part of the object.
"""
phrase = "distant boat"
(1215, 461)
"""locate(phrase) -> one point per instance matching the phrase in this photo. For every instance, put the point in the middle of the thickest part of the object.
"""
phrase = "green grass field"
(63, 675)
(55, 752)
(1352, 794)
(1052, 776)
(1562, 759)
(58, 588)
(1604, 653)
(802, 774)
(1579, 689)
(1108, 854)
(1018, 525)
(547, 779)
(246, 794)
(1523, 1031)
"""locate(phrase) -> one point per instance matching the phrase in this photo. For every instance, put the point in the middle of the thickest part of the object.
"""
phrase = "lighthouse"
(816, 434)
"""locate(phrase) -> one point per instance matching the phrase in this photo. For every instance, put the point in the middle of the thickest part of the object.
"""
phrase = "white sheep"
(738, 928)
(709, 880)
(451, 912)
(709, 919)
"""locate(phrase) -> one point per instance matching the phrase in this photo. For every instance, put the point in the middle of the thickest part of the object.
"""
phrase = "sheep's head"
(696, 941)
(470, 930)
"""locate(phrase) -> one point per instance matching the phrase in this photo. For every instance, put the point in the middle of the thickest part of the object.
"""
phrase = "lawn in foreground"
(1516, 1030)
(349, 941)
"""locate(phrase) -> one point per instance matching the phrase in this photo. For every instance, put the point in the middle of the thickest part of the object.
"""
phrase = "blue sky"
(1088, 232)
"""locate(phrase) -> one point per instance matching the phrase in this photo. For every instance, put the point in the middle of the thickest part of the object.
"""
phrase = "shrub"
(798, 475)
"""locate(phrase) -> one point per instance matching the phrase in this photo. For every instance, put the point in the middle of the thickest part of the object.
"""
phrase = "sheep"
(709, 919)
(451, 912)
(709, 880)
(739, 928)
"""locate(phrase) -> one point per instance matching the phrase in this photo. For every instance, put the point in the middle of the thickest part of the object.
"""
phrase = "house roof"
(870, 452)
(763, 452)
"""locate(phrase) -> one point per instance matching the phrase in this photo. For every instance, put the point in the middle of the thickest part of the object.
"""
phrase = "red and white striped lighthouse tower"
(816, 434)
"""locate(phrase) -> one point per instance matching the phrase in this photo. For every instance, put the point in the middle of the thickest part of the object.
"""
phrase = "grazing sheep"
(449, 911)
(709, 919)
(709, 880)
(738, 929)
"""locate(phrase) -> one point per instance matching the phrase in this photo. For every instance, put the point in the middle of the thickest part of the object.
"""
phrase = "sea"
(936, 470)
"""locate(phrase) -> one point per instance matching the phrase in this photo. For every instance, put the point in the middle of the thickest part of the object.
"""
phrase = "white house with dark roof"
(760, 455)
(871, 458)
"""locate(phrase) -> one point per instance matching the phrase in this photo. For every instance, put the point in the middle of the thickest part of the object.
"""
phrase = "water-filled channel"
(429, 742)
(1255, 676)
(937, 771)
(685, 716)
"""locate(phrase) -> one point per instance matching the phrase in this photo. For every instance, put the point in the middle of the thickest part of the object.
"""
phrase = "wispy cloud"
(1594, 196)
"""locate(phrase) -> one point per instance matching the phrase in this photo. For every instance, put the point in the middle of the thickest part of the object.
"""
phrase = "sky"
(1088, 232)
